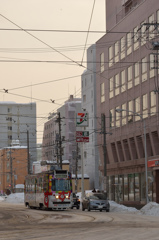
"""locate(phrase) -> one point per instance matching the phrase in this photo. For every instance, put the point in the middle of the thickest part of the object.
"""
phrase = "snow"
(150, 209)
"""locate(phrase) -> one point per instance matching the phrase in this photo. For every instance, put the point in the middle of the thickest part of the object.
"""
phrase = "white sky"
(18, 45)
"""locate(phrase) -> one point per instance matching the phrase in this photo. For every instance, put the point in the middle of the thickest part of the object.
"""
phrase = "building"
(18, 122)
(59, 136)
(90, 149)
(13, 167)
(127, 99)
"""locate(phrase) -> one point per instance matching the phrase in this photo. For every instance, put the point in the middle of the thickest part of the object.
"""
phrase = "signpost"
(82, 136)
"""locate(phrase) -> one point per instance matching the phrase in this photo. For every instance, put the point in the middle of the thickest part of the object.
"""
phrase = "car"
(96, 201)
(76, 202)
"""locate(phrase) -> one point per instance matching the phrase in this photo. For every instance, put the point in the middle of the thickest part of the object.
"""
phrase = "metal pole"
(104, 152)
(146, 178)
(11, 170)
(28, 152)
(82, 172)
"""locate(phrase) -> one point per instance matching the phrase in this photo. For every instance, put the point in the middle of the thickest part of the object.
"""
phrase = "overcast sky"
(27, 81)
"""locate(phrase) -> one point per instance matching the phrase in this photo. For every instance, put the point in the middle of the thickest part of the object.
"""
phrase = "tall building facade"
(90, 149)
(53, 147)
(128, 98)
(18, 122)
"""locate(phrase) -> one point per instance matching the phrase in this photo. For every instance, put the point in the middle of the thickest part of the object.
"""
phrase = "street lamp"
(146, 178)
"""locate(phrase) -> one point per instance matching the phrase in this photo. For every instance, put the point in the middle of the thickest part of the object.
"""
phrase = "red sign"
(82, 139)
(153, 163)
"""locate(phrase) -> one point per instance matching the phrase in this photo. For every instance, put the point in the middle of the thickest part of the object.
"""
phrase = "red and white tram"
(48, 190)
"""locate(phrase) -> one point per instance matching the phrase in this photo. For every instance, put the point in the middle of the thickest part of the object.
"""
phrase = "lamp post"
(146, 178)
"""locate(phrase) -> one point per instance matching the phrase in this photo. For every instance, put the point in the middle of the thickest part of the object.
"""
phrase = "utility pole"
(60, 142)
(11, 170)
(76, 168)
(28, 152)
(104, 149)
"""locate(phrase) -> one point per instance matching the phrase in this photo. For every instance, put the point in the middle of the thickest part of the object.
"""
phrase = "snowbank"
(151, 209)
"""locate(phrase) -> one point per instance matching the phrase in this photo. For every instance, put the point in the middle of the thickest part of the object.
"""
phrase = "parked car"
(96, 201)
(76, 202)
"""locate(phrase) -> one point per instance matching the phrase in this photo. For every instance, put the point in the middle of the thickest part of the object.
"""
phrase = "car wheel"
(77, 207)
(83, 208)
(88, 208)
(107, 210)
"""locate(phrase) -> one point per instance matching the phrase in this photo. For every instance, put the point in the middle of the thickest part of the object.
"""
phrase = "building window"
(144, 106)
(102, 93)
(116, 52)
(136, 74)
(8, 165)
(130, 109)
(110, 56)
(8, 110)
(144, 69)
(129, 43)
(152, 65)
(111, 88)
(117, 117)
(151, 27)
(136, 38)
(10, 137)
(122, 47)
(129, 77)
(102, 62)
(84, 98)
(143, 33)
(137, 108)
(85, 154)
(123, 81)
(117, 84)
(111, 118)
(8, 177)
(91, 93)
(152, 103)
(123, 106)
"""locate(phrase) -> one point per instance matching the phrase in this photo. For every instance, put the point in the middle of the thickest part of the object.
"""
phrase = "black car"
(96, 201)
(76, 202)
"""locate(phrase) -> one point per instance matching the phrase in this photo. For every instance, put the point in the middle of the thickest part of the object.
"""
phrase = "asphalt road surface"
(20, 223)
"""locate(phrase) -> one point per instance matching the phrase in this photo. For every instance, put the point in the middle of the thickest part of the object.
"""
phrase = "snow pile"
(151, 209)
(115, 207)
(15, 198)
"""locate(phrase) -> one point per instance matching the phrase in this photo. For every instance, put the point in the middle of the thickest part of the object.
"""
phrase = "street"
(20, 223)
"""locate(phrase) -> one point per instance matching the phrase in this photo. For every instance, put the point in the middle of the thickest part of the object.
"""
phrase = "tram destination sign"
(82, 136)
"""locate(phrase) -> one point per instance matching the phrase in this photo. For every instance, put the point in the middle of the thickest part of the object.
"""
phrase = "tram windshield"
(60, 185)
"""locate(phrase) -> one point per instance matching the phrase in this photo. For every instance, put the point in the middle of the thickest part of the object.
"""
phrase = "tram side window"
(46, 183)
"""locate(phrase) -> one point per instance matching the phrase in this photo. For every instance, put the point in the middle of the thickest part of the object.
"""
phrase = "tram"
(49, 190)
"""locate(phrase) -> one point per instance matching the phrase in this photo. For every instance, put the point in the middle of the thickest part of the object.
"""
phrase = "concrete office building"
(18, 122)
(90, 150)
(127, 79)
(50, 146)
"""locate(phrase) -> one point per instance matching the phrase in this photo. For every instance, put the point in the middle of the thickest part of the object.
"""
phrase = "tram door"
(157, 186)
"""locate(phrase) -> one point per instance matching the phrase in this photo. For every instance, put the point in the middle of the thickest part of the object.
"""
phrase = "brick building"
(13, 167)
(127, 79)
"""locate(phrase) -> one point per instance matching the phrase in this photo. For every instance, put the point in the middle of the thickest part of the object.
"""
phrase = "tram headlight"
(66, 196)
(57, 196)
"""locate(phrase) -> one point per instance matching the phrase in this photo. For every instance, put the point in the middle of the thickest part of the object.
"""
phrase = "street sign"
(82, 119)
(82, 139)
(82, 136)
